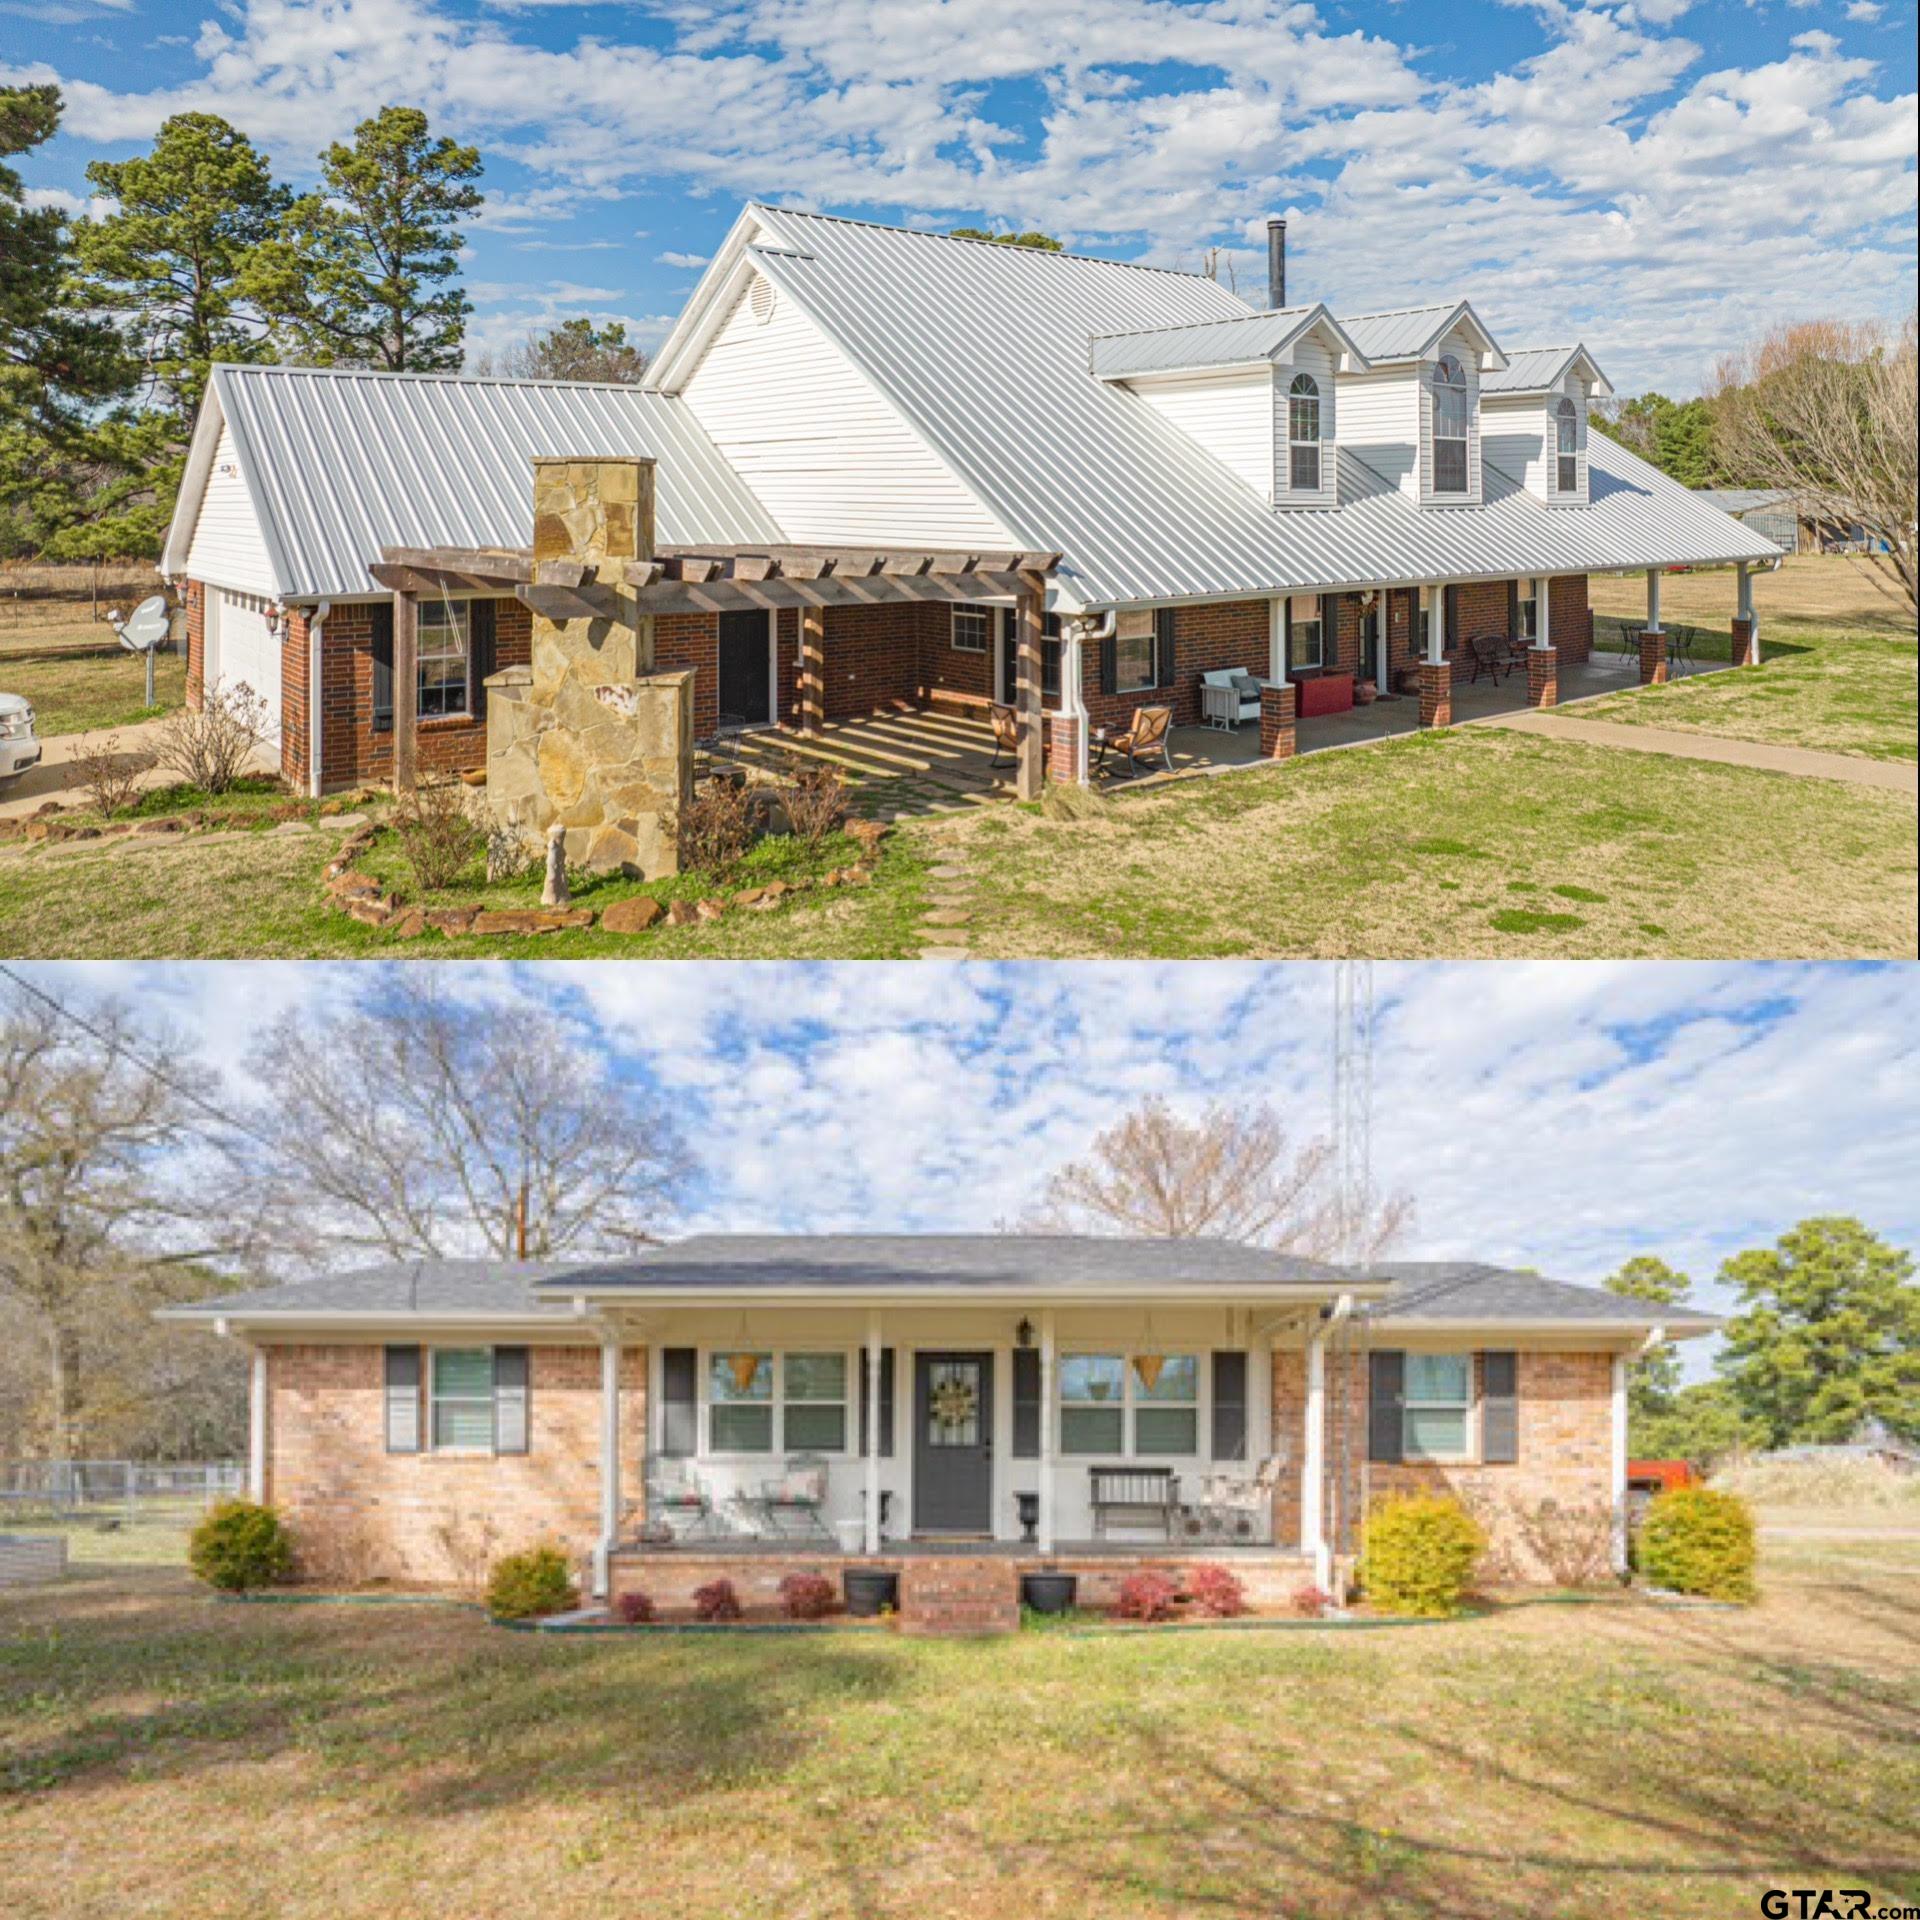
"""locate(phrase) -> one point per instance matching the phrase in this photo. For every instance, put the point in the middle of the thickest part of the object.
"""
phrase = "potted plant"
(1049, 1592)
(870, 1591)
(852, 1535)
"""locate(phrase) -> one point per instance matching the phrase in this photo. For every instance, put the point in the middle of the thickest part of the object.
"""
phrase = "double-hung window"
(1134, 667)
(1436, 1406)
(1142, 1405)
(1527, 606)
(1452, 420)
(972, 629)
(776, 1402)
(1303, 434)
(1566, 440)
(462, 1387)
(1305, 641)
(445, 643)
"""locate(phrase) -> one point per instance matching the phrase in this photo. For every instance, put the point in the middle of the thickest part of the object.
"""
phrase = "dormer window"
(1566, 432)
(1452, 418)
(1303, 434)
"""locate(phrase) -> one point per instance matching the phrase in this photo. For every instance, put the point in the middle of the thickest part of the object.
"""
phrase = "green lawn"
(168, 1754)
(87, 692)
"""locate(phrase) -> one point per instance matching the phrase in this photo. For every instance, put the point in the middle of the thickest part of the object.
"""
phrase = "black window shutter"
(403, 1399)
(1453, 617)
(383, 667)
(510, 1400)
(1229, 1405)
(482, 621)
(1026, 1403)
(1164, 668)
(1109, 665)
(679, 1403)
(1330, 632)
(1386, 1394)
(1500, 1408)
(1513, 610)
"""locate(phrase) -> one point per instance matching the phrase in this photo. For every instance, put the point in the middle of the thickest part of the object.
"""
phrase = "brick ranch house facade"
(895, 469)
(415, 1418)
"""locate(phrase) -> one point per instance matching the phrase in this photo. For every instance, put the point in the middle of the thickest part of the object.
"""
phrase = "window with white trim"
(1143, 1405)
(1452, 421)
(1305, 640)
(1303, 434)
(1566, 439)
(1527, 604)
(972, 629)
(762, 1402)
(1436, 1406)
(444, 645)
(462, 1399)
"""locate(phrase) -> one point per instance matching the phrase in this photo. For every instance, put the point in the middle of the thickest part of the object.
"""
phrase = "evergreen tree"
(366, 274)
(574, 350)
(1828, 1334)
(1039, 242)
(1654, 1379)
(1703, 1423)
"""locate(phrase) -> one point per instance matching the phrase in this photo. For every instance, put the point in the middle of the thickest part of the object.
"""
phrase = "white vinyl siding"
(1574, 389)
(242, 650)
(1230, 415)
(1519, 438)
(1380, 420)
(228, 549)
(1465, 350)
(1311, 358)
(828, 456)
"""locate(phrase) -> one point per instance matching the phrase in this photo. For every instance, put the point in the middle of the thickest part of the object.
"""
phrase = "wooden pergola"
(727, 579)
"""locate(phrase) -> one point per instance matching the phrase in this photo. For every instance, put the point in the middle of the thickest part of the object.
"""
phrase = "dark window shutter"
(1386, 1394)
(510, 1400)
(679, 1403)
(1164, 668)
(383, 667)
(403, 1399)
(483, 619)
(1513, 610)
(1229, 1406)
(1026, 1403)
(1500, 1408)
(1453, 617)
(1330, 632)
(1109, 665)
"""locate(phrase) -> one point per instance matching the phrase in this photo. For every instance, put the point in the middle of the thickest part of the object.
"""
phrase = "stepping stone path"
(949, 911)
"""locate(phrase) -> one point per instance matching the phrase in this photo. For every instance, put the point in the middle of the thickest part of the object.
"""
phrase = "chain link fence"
(47, 1492)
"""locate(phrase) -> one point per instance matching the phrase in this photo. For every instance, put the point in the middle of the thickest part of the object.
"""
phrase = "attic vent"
(760, 300)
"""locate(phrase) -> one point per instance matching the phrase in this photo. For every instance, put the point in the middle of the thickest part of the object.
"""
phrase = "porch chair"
(1681, 643)
(794, 1505)
(679, 1507)
(1235, 1506)
(1145, 739)
(1630, 641)
(1005, 722)
(1229, 697)
(1492, 655)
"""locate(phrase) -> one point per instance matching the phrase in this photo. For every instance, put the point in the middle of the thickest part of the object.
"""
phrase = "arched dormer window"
(1452, 416)
(1303, 434)
(1566, 442)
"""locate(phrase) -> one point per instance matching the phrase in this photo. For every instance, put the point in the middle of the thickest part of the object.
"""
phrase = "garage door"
(245, 649)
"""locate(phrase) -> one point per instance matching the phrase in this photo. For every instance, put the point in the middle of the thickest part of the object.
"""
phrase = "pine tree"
(1654, 1378)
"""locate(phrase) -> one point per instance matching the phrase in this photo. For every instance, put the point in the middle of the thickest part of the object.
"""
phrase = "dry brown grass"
(1812, 592)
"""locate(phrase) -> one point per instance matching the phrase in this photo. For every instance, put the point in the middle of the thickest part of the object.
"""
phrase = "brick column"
(1743, 650)
(1063, 747)
(1277, 701)
(1543, 677)
(1653, 658)
(1436, 693)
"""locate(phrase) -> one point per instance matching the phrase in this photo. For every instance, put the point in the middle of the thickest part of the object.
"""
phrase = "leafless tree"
(1826, 412)
(1233, 1174)
(412, 1125)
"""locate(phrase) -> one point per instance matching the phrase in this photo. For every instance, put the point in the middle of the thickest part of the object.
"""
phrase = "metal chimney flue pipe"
(1276, 263)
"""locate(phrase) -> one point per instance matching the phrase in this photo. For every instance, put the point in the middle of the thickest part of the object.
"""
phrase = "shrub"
(525, 1586)
(1571, 1544)
(716, 1601)
(1146, 1596)
(1699, 1540)
(111, 778)
(807, 1596)
(240, 1545)
(1419, 1553)
(437, 837)
(634, 1609)
(1217, 1591)
(1310, 1602)
(816, 803)
(716, 827)
(209, 746)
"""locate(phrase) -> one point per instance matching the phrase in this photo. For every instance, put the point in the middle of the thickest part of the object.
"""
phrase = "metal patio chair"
(679, 1505)
(794, 1505)
(1005, 722)
(1235, 1508)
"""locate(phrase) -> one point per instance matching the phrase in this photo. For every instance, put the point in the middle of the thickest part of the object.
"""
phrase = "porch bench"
(1148, 1496)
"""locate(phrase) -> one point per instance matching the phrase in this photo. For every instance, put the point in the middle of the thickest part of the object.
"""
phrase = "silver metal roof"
(1406, 333)
(984, 350)
(1211, 343)
(341, 463)
(1742, 499)
(1534, 369)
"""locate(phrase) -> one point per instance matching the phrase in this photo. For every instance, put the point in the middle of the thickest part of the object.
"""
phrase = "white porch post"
(1437, 624)
(257, 1427)
(1277, 637)
(1653, 600)
(1744, 612)
(873, 1431)
(1313, 1452)
(609, 1467)
(1382, 633)
(1620, 1464)
(1048, 1358)
(1543, 613)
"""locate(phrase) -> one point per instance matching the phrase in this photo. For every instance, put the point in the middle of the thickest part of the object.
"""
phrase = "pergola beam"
(865, 590)
(506, 564)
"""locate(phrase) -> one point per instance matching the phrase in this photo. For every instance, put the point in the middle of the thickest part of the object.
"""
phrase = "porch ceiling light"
(1023, 1333)
(743, 1366)
(1149, 1366)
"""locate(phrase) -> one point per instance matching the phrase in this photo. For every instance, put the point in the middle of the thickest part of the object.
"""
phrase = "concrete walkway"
(1891, 776)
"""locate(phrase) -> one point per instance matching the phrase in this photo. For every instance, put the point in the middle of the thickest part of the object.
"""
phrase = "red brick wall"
(873, 654)
(1482, 608)
(691, 641)
(945, 668)
(1570, 619)
(194, 595)
(1230, 633)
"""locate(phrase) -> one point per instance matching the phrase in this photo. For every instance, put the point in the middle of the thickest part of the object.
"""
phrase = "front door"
(745, 679)
(953, 1443)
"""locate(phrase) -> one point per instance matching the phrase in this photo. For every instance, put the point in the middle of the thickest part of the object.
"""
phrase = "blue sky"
(1657, 177)
(1560, 1115)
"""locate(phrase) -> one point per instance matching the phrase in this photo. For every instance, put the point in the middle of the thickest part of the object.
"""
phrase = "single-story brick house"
(1050, 1399)
(897, 469)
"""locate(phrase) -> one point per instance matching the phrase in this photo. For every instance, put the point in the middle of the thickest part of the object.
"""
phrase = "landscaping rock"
(293, 826)
(680, 913)
(710, 909)
(868, 834)
(371, 913)
(166, 823)
(857, 877)
(410, 925)
(634, 915)
(451, 920)
(520, 921)
(346, 886)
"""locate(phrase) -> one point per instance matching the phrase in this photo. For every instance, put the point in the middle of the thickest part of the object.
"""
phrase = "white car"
(19, 744)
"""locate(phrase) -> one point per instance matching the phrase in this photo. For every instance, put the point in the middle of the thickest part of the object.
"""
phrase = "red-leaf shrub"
(716, 1601)
(1310, 1601)
(1146, 1596)
(806, 1596)
(1217, 1592)
(634, 1609)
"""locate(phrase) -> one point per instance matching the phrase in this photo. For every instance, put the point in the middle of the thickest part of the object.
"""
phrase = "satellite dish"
(146, 627)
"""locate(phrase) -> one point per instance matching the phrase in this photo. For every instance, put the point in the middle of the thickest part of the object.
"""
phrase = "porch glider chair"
(1229, 697)
(1136, 1496)
(1005, 722)
(793, 1506)
(1145, 739)
(1234, 1507)
(1492, 655)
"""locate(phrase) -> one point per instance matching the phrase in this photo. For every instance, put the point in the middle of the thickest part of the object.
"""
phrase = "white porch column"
(257, 1427)
(1620, 1463)
(1653, 600)
(1543, 613)
(1382, 636)
(1437, 624)
(1277, 637)
(1313, 1451)
(873, 1431)
(609, 1466)
(1744, 611)
(1048, 1359)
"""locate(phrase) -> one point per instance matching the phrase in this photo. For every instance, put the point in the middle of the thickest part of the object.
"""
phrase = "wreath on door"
(955, 1403)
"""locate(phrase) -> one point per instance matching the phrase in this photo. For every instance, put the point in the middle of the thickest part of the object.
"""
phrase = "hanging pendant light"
(744, 1367)
(1150, 1366)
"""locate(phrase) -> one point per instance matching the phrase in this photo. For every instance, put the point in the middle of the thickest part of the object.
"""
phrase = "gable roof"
(342, 462)
(1535, 369)
(1439, 1292)
(1414, 333)
(1212, 343)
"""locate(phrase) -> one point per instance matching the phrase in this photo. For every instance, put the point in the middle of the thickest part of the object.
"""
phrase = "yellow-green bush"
(1698, 1540)
(240, 1545)
(524, 1586)
(1418, 1554)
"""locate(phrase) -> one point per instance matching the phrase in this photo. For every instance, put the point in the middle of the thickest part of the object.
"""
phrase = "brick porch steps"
(941, 1596)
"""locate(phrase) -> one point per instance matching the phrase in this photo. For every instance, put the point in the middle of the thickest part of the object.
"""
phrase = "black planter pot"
(1049, 1592)
(870, 1591)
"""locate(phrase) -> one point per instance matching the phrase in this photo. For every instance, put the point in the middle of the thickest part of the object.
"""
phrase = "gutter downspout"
(1073, 681)
(1317, 1423)
(316, 753)
(1656, 1336)
(609, 1465)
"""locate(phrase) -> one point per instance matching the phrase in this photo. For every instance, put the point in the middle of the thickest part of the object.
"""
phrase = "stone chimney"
(588, 734)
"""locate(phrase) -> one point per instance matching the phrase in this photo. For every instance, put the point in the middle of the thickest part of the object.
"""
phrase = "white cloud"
(1865, 11)
(673, 259)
